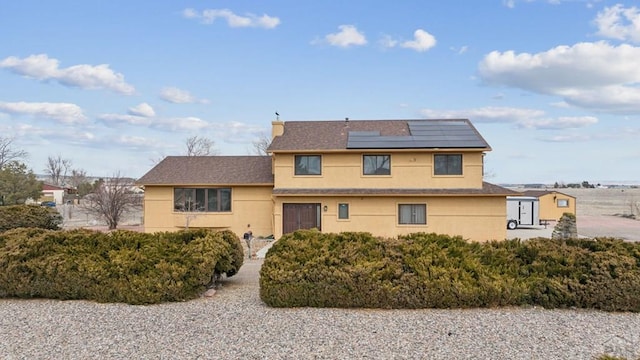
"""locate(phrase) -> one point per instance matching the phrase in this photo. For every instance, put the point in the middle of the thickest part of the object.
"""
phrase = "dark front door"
(300, 216)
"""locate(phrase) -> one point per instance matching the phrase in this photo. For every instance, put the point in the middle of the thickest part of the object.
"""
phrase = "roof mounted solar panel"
(426, 134)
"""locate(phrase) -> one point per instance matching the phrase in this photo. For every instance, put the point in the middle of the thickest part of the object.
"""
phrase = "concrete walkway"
(260, 254)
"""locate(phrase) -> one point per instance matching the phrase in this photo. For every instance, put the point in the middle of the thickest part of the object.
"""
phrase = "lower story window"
(343, 211)
(412, 214)
(202, 199)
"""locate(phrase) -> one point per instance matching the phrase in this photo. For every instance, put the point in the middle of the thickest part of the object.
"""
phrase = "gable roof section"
(204, 170)
(378, 134)
(50, 187)
(539, 193)
(486, 190)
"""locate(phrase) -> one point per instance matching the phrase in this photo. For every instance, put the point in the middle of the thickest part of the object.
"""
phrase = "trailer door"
(526, 213)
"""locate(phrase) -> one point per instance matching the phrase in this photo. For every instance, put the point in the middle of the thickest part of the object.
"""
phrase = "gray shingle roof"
(486, 190)
(378, 134)
(539, 193)
(210, 170)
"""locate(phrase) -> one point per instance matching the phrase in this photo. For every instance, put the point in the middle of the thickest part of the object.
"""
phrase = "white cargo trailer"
(522, 211)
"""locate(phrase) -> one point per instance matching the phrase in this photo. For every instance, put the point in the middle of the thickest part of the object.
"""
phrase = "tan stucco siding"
(473, 218)
(549, 209)
(408, 170)
(250, 205)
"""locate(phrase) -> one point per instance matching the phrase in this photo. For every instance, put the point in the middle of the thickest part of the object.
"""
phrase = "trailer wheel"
(512, 224)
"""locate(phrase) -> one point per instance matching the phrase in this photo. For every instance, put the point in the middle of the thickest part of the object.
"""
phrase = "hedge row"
(120, 266)
(309, 268)
(29, 216)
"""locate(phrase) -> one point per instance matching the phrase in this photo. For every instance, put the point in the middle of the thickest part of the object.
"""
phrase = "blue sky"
(552, 85)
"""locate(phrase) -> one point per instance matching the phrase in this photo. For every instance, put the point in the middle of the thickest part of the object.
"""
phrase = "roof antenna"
(277, 116)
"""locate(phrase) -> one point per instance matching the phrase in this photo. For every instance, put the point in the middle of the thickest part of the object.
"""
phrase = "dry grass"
(605, 201)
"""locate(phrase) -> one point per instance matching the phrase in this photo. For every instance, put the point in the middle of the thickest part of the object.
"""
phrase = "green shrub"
(309, 268)
(29, 216)
(120, 266)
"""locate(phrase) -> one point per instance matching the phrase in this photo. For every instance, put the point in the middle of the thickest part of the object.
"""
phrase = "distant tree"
(57, 169)
(86, 187)
(8, 153)
(111, 199)
(200, 146)
(261, 145)
(487, 173)
(17, 184)
(586, 185)
(556, 185)
(78, 176)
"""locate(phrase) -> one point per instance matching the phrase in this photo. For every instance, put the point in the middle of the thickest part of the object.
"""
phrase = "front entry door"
(300, 216)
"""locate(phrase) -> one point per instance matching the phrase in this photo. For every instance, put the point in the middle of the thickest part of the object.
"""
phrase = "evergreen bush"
(566, 228)
(120, 266)
(309, 268)
(29, 216)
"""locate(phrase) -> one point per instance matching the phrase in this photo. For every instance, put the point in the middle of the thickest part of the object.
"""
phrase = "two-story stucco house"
(386, 177)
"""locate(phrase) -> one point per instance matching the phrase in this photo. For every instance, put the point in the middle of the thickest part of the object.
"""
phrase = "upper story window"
(563, 203)
(308, 165)
(376, 164)
(201, 199)
(447, 164)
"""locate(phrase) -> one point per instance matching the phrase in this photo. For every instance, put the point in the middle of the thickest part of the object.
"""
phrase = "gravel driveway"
(235, 324)
(604, 225)
(588, 226)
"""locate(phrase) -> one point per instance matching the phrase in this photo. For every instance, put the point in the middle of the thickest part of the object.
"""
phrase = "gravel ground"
(589, 226)
(235, 324)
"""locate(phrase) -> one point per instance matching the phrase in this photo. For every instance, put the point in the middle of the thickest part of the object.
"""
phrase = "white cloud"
(615, 99)
(461, 50)
(77, 137)
(40, 136)
(509, 3)
(143, 109)
(489, 114)
(521, 118)
(422, 41)
(567, 138)
(620, 23)
(596, 75)
(512, 3)
(138, 142)
(63, 112)
(41, 67)
(387, 41)
(115, 119)
(180, 124)
(209, 16)
(190, 13)
(179, 96)
(563, 122)
(346, 37)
